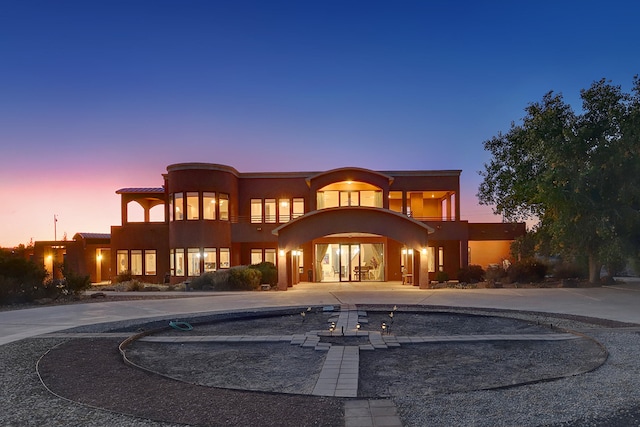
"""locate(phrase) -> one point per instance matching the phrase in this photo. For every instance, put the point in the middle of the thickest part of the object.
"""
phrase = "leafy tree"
(577, 174)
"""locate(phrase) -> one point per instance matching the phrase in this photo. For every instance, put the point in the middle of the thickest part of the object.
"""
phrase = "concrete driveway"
(620, 302)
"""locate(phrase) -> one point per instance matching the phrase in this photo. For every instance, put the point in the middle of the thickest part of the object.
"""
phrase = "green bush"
(241, 278)
(125, 276)
(21, 280)
(527, 271)
(269, 272)
(73, 283)
(442, 276)
(471, 274)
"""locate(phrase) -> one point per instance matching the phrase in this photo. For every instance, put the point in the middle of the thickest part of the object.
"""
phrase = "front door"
(350, 263)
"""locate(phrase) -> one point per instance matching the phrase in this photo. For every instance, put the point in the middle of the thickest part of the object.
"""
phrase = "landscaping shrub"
(471, 274)
(73, 283)
(125, 276)
(269, 272)
(494, 274)
(527, 271)
(241, 278)
(20, 280)
(442, 276)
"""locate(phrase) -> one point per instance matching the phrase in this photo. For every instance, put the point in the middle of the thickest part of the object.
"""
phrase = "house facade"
(348, 225)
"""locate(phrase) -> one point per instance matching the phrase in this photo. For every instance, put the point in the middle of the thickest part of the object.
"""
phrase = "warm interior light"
(49, 257)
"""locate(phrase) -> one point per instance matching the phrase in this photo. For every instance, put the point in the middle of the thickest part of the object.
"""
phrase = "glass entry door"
(350, 263)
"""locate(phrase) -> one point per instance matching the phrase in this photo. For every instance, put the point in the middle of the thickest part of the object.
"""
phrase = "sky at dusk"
(100, 95)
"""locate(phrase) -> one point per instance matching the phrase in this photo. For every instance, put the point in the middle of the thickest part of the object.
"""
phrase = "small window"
(172, 262)
(270, 210)
(136, 263)
(298, 207)
(225, 258)
(193, 212)
(256, 256)
(224, 207)
(150, 262)
(178, 207)
(256, 211)
(179, 262)
(210, 262)
(209, 205)
(123, 261)
(284, 211)
(193, 261)
(270, 256)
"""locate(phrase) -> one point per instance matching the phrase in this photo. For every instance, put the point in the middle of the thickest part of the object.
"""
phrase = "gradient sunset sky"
(99, 95)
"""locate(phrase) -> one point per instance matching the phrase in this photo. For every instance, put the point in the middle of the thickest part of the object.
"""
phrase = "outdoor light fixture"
(424, 251)
(410, 251)
(358, 326)
(281, 252)
(384, 327)
(303, 315)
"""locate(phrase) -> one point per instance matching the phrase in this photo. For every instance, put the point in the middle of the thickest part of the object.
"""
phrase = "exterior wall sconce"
(424, 251)
(281, 252)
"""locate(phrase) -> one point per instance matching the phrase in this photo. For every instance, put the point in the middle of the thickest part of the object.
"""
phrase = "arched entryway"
(410, 233)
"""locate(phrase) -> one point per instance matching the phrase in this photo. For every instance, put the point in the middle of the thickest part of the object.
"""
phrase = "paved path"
(616, 303)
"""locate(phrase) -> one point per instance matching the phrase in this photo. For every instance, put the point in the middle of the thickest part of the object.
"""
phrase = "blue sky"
(98, 95)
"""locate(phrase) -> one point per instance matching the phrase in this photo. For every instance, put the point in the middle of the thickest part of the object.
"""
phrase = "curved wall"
(202, 177)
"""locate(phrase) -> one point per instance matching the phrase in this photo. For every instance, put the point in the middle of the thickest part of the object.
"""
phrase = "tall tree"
(577, 174)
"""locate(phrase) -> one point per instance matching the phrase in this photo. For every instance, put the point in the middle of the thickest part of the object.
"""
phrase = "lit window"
(123, 262)
(178, 207)
(136, 263)
(193, 262)
(300, 258)
(209, 205)
(179, 262)
(256, 256)
(256, 211)
(192, 206)
(210, 259)
(224, 207)
(270, 255)
(150, 262)
(270, 210)
(172, 261)
(395, 201)
(225, 258)
(440, 259)
(298, 207)
(284, 212)
(171, 208)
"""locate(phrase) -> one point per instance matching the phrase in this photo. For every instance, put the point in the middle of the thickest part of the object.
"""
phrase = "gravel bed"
(91, 371)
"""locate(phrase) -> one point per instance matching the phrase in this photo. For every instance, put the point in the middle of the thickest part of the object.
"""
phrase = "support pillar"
(423, 272)
(284, 269)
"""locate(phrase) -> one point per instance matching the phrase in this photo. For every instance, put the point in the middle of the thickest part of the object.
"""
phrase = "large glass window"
(225, 258)
(123, 261)
(284, 212)
(348, 193)
(180, 262)
(210, 263)
(178, 206)
(150, 262)
(256, 256)
(224, 207)
(136, 263)
(298, 207)
(270, 210)
(193, 261)
(209, 205)
(193, 212)
(256, 211)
